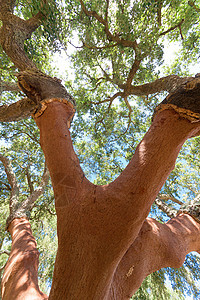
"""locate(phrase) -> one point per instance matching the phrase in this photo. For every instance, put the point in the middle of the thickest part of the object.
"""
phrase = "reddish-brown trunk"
(97, 225)
(20, 278)
(156, 246)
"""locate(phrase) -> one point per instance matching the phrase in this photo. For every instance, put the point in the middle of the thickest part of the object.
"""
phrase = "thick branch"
(13, 34)
(55, 141)
(171, 213)
(168, 83)
(132, 72)
(19, 110)
(37, 86)
(6, 6)
(34, 22)
(110, 36)
(20, 278)
(157, 246)
(138, 185)
(8, 86)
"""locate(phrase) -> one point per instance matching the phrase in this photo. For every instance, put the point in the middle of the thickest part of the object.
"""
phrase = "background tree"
(119, 49)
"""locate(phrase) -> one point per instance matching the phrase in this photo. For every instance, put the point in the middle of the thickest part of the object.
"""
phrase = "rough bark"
(20, 278)
(31, 82)
(8, 86)
(97, 225)
(14, 32)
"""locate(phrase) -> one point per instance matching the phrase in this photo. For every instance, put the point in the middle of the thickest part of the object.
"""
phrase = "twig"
(4, 252)
(110, 99)
(192, 4)
(172, 28)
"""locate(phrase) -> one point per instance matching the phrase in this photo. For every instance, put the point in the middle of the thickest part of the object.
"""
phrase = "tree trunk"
(97, 225)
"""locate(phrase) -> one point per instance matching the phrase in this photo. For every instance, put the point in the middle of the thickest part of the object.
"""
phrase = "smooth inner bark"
(20, 278)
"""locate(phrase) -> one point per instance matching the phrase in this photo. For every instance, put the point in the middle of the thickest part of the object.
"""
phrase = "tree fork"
(104, 220)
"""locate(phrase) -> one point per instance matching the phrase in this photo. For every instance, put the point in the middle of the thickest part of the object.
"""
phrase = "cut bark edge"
(185, 101)
(12, 217)
(44, 104)
(184, 113)
(190, 213)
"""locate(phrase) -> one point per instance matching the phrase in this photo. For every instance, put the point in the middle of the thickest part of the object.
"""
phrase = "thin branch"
(12, 181)
(171, 213)
(51, 213)
(128, 104)
(110, 99)
(107, 7)
(112, 80)
(29, 202)
(1, 269)
(77, 47)
(4, 252)
(159, 13)
(7, 187)
(99, 48)
(181, 32)
(172, 28)
(24, 208)
(169, 197)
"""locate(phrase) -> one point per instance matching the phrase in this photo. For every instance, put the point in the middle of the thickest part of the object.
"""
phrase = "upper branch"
(104, 22)
(29, 202)
(34, 22)
(169, 83)
(14, 32)
(132, 72)
(6, 6)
